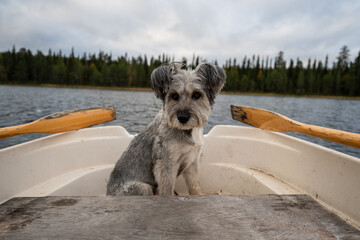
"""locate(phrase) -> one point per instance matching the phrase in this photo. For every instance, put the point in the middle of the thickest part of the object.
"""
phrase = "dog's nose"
(183, 116)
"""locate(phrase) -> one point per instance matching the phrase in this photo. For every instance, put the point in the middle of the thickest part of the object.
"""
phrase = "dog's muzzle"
(183, 116)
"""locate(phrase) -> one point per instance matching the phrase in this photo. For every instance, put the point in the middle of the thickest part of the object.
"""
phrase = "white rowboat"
(236, 160)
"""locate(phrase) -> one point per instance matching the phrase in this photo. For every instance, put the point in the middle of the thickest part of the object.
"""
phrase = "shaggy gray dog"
(172, 143)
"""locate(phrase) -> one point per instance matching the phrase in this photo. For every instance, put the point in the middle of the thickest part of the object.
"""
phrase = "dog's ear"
(214, 77)
(160, 81)
(161, 78)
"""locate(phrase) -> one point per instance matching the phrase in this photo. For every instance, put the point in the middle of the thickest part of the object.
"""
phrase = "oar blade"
(275, 122)
(261, 118)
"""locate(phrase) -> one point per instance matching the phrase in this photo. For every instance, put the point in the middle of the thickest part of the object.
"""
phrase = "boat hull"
(236, 160)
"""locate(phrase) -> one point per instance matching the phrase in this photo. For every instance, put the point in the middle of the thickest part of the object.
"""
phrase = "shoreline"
(142, 89)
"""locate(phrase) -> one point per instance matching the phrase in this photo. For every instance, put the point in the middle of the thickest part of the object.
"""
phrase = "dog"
(172, 143)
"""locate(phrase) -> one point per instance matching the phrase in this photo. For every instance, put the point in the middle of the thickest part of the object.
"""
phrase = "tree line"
(251, 74)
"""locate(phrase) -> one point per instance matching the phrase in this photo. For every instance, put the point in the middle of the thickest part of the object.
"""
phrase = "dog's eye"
(175, 96)
(196, 95)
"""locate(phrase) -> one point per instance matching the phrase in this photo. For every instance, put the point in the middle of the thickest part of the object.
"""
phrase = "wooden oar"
(272, 121)
(63, 122)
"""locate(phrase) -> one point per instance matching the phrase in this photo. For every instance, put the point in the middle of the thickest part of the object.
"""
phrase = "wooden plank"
(180, 217)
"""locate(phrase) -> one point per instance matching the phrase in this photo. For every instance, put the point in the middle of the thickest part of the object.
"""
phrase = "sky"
(212, 29)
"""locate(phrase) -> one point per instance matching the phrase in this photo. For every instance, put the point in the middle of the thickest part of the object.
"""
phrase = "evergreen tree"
(3, 75)
(105, 75)
(328, 83)
(279, 61)
(355, 76)
(20, 74)
(300, 83)
(292, 78)
(245, 83)
(343, 58)
(59, 72)
(94, 75)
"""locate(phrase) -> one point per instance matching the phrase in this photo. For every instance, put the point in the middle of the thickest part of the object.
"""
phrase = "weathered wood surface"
(180, 217)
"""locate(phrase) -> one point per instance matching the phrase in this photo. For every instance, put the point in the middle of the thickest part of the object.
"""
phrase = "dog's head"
(188, 95)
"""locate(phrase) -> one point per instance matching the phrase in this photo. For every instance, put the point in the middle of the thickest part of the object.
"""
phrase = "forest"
(250, 74)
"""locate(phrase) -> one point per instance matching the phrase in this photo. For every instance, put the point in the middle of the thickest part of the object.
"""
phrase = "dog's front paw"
(195, 190)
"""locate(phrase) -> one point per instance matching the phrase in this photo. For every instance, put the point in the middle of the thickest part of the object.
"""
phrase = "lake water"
(19, 105)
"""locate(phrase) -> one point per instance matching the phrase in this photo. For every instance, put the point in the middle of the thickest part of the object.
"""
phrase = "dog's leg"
(131, 188)
(191, 176)
(137, 188)
(165, 176)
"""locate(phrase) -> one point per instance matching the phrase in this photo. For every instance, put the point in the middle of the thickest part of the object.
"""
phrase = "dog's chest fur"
(185, 152)
(181, 146)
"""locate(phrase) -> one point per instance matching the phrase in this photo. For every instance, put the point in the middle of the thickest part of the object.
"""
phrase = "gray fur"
(214, 78)
(172, 143)
(161, 77)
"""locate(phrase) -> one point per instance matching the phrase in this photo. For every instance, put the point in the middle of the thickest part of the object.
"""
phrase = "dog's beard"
(195, 121)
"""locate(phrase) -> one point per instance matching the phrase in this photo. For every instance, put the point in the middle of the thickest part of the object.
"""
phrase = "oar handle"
(63, 122)
(7, 132)
(338, 136)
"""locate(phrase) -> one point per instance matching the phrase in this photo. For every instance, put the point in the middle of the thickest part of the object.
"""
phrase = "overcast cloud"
(212, 29)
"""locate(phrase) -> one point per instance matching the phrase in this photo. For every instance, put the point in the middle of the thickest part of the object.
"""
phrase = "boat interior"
(236, 161)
